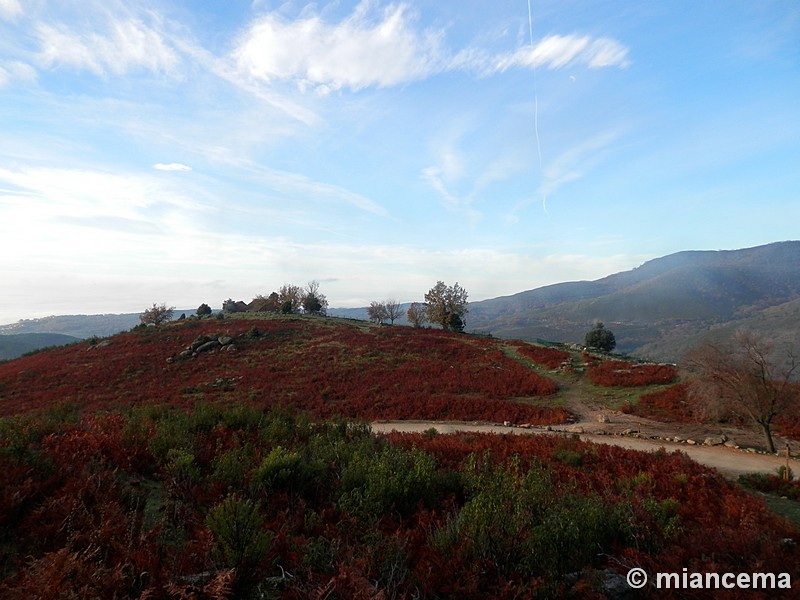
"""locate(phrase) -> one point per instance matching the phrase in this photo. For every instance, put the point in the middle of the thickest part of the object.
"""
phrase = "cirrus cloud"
(171, 167)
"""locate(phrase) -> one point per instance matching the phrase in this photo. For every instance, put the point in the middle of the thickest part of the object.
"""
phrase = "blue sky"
(192, 151)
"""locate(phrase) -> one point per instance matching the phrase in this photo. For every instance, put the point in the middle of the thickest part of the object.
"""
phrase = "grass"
(783, 507)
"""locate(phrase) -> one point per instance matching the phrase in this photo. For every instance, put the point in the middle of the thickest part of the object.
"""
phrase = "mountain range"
(664, 307)
(658, 310)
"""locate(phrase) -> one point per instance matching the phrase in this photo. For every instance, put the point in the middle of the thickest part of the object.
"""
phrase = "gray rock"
(715, 440)
(199, 341)
(224, 340)
(208, 346)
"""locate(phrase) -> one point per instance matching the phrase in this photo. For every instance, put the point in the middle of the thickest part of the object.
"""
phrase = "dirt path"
(728, 461)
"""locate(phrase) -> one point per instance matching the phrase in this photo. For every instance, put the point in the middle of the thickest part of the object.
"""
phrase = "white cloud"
(171, 167)
(10, 9)
(356, 53)
(16, 71)
(551, 52)
(362, 51)
(126, 45)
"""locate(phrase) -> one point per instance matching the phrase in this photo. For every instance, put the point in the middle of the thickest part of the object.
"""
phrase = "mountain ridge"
(694, 291)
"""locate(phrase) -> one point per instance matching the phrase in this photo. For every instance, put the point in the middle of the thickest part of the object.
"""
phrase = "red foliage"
(315, 366)
(551, 358)
(625, 374)
(668, 405)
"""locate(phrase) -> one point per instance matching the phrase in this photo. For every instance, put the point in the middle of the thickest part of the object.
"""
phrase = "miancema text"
(710, 581)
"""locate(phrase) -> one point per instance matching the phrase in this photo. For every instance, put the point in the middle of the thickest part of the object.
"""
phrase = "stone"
(691, 442)
(199, 341)
(714, 440)
(602, 418)
(224, 340)
(207, 347)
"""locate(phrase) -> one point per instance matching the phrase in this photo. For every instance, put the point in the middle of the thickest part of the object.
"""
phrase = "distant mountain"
(663, 307)
(80, 326)
(13, 346)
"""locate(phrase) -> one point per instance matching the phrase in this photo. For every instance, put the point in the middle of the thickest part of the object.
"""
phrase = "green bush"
(391, 479)
(240, 540)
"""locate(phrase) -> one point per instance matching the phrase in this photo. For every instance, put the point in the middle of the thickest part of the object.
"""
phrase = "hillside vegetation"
(211, 459)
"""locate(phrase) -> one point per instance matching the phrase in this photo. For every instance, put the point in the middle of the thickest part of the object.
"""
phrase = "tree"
(157, 315)
(393, 310)
(377, 311)
(746, 377)
(232, 306)
(314, 302)
(203, 310)
(263, 303)
(443, 303)
(600, 338)
(416, 314)
(291, 294)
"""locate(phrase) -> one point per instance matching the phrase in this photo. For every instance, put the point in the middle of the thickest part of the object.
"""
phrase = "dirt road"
(728, 461)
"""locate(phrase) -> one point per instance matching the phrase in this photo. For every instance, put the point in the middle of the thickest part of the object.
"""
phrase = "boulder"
(208, 346)
(714, 440)
(224, 340)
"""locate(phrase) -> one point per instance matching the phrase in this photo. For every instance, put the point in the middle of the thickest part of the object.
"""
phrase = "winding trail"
(728, 461)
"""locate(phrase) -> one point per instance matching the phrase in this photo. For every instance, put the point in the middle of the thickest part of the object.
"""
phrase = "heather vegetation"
(234, 501)
(228, 458)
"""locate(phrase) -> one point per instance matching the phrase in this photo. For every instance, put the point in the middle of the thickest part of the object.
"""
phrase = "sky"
(190, 151)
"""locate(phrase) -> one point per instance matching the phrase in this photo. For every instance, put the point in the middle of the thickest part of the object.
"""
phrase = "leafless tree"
(746, 377)
(393, 310)
(377, 311)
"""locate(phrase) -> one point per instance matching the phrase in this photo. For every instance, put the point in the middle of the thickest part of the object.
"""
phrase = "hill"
(663, 307)
(79, 326)
(200, 460)
(323, 366)
(12, 346)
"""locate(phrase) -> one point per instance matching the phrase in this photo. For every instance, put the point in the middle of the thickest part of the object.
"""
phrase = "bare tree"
(417, 314)
(377, 311)
(747, 378)
(156, 315)
(393, 310)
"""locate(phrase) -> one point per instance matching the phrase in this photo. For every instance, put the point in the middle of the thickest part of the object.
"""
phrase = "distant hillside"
(663, 307)
(12, 346)
(79, 326)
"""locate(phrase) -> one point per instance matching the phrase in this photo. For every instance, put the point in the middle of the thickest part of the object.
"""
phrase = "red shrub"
(625, 374)
(315, 366)
(669, 404)
(551, 358)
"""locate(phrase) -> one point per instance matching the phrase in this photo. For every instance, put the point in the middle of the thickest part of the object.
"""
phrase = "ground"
(599, 422)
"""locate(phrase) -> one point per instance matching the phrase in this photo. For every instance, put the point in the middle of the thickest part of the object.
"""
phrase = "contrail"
(535, 94)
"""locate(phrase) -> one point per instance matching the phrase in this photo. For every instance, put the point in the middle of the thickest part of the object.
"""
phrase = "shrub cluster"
(219, 502)
(621, 373)
(668, 405)
(552, 358)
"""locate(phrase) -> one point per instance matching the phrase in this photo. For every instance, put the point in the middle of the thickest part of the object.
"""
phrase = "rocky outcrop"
(205, 344)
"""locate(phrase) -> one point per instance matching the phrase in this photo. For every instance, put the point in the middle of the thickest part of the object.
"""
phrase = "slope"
(677, 297)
